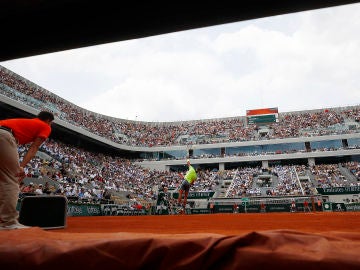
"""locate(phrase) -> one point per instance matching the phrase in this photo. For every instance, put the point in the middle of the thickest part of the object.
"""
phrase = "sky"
(299, 61)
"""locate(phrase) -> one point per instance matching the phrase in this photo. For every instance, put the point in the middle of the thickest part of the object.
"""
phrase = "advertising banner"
(339, 190)
(196, 195)
(83, 209)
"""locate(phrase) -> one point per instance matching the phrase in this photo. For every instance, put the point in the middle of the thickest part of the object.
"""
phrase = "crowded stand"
(329, 175)
(294, 180)
(354, 168)
(91, 177)
(287, 181)
(242, 183)
(86, 176)
(148, 134)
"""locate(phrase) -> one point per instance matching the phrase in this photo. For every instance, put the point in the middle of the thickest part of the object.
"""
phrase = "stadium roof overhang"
(31, 28)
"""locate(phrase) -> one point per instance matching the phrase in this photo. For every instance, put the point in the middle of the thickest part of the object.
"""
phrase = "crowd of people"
(148, 134)
(288, 179)
(90, 176)
(78, 173)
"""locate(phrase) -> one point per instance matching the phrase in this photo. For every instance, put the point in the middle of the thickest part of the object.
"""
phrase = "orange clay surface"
(226, 224)
(282, 241)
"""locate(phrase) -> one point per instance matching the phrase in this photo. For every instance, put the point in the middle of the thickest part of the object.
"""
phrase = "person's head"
(188, 162)
(45, 116)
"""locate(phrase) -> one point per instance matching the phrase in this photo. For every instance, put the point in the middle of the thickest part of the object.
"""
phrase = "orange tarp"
(214, 241)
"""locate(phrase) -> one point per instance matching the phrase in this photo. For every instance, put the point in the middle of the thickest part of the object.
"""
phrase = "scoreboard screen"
(262, 111)
(262, 116)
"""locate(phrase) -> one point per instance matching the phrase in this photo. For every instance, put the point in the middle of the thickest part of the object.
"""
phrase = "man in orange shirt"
(13, 132)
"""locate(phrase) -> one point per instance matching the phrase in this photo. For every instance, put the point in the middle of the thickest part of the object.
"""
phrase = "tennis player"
(189, 179)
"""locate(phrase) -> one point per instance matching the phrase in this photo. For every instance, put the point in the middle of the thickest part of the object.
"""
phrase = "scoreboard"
(262, 116)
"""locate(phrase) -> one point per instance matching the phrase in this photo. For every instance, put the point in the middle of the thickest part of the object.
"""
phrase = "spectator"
(29, 188)
(39, 190)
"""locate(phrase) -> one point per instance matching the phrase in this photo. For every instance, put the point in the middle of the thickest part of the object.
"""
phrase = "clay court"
(319, 240)
(226, 224)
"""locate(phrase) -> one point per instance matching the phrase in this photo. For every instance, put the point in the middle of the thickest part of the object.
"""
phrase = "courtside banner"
(338, 207)
(196, 195)
(83, 210)
(224, 208)
(354, 207)
(200, 211)
(338, 190)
